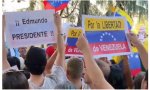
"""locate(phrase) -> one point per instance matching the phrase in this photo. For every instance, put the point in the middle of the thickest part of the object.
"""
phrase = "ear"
(67, 72)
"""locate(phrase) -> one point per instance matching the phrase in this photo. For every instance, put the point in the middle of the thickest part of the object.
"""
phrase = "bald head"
(104, 67)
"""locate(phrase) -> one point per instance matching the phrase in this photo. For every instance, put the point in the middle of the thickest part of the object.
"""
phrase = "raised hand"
(82, 43)
(57, 20)
(134, 39)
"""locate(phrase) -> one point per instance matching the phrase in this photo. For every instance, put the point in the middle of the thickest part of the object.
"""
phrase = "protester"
(50, 62)
(113, 74)
(15, 80)
(138, 80)
(14, 61)
(144, 84)
(104, 67)
(143, 55)
(65, 85)
(142, 51)
(22, 51)
(36, 62)
(96, 76)
(74, 73)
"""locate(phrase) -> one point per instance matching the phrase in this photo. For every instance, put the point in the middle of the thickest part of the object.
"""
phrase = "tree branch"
(71, 11)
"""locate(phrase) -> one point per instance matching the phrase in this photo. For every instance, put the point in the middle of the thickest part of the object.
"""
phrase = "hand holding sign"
(134, 39)
(72, 37)
(82, 44)
(106, 35)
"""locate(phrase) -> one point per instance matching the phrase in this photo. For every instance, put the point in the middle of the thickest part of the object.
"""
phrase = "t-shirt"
(84, 85)
(22, 65)
(57, 76)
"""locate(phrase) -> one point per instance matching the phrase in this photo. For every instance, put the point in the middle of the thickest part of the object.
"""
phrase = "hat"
(50, 50)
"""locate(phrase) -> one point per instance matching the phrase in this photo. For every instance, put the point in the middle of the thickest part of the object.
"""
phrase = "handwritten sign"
(106, 35)
(29, 28)
(72, 37)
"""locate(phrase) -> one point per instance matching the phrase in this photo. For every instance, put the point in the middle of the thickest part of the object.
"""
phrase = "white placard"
(29, 28)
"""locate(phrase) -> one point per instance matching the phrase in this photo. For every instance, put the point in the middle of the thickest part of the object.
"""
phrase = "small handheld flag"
(55, 4)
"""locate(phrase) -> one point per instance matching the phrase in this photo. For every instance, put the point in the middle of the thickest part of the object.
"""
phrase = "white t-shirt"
(22, 65)
(57, 76)
(84, 85)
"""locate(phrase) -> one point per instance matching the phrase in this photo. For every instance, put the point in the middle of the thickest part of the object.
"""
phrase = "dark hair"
(15, 80)
(14, 61)
(36, 60)
(65, 85)
(116, 77)
(75, 68)
(138, 80)
(112, 61)
(104, 67)
(146, 78)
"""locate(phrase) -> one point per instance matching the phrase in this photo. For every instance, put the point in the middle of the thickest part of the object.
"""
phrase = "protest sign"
(72, 37)
(106, 35)
(29, 28)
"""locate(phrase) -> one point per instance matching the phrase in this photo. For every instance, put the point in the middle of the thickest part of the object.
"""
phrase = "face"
(22, 51)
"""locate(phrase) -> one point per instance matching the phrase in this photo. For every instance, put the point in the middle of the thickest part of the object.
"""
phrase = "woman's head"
(15, 80)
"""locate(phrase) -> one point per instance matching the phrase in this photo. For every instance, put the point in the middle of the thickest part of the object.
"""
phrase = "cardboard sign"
(29, 28)
(106, 35)
(72, 37)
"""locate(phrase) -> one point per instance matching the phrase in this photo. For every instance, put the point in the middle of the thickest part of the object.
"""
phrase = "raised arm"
(93, 71)
(142, 51)
(50, 63)
(4, 53)
(60, 59)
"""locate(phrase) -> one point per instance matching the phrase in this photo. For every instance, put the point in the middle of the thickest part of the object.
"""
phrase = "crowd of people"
(50, 69)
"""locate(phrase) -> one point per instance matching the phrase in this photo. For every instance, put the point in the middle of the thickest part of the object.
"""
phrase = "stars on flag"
(107, 35)
(133, 56)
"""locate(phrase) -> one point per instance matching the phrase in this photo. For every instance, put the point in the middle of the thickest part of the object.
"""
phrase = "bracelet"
(60, 34)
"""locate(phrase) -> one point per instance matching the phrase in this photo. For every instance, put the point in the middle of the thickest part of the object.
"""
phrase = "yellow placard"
(102, 24)
(74, 32)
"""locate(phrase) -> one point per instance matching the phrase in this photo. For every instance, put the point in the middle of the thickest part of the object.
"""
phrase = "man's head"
(22, 51)
(36, 60)
(138, 80)
(104, 67)
(144, 84)
(75, 68)
(105, 60)
(15, 80)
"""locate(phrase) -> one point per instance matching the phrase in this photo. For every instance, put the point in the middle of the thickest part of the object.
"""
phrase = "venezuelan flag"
(134, 63)
(119, 12)
(55, 4)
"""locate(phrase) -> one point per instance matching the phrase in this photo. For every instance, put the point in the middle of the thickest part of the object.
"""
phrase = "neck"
(37, 79)
(76, 82)
(23, 56)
